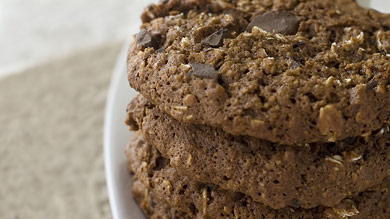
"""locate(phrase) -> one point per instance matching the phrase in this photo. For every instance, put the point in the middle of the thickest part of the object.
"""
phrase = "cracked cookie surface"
(288, 71)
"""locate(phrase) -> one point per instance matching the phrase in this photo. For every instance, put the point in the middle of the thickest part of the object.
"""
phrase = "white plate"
(117, 135)
(380, 5)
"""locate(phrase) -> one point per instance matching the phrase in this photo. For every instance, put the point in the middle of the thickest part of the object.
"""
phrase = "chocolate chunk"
(276, 22)
(250, 112)
(203, 71)
(311, 97)
(295, 203)
(216, 39)
(350, 140)
(145, 39)
(161, 50)
(371, 85)
(295, 64)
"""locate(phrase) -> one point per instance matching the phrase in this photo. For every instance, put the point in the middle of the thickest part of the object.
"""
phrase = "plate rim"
(115, 161)
(107, 131)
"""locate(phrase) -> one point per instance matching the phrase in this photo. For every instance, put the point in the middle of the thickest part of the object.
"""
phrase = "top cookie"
(286, 71)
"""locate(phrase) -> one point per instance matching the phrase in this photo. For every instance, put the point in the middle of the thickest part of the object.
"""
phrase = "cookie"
(163, 193)
(151, 207)
(286, 71)
(276, 175)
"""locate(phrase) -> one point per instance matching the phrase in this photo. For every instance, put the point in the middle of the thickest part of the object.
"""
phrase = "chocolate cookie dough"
(163, 193)
(286, 71)
(276, 175)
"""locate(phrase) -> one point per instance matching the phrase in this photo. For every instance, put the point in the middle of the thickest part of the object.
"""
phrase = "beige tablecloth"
(51, 122)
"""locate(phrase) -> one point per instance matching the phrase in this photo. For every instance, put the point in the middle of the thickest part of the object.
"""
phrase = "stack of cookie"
(261, 109)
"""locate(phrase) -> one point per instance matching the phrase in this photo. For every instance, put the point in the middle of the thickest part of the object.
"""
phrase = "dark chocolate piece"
(295, 203)
(276, 22)
(145, 39)
(372, 84)
(216, 39)
(203, 71)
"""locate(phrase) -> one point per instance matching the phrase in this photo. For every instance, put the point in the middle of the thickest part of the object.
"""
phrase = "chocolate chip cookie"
(163, 193)
(277, 175)
(286, 71)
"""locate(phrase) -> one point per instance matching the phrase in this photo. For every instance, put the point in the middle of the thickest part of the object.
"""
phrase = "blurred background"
(36, 31)
(56, 61)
